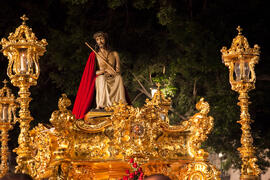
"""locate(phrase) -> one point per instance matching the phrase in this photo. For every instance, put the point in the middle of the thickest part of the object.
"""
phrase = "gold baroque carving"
(129, 132)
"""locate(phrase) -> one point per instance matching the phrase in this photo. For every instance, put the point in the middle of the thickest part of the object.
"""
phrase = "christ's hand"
(100, 72)
(110, 71)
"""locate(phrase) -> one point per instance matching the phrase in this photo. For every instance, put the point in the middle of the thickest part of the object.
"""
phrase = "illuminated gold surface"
(198, 171)
(4, 128)
(240, 50)
(23, 38)
(101, 150)
(6, 99)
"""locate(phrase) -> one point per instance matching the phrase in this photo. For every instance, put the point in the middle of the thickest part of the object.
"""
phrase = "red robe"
(86, 89)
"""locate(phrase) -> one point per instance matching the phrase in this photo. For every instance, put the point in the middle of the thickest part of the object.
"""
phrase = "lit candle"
(23, 63)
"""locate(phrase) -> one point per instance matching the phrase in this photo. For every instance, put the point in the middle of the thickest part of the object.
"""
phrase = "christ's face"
(100, 41)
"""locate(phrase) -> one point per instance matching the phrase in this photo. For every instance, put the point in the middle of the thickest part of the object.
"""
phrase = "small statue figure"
(107, 80)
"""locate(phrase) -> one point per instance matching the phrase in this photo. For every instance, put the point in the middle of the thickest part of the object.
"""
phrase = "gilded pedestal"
(79, 149)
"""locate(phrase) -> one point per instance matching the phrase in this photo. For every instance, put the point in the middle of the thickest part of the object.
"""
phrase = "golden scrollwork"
(142, 133)
(50, 145)
(199, 171)
(201, 126)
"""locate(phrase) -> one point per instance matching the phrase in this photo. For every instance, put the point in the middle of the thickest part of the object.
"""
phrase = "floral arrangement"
(136, 173)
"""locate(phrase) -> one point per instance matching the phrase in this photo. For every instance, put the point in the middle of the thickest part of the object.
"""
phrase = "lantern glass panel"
(237, 71)
(246, 71)
(23, 62)
(4, 113)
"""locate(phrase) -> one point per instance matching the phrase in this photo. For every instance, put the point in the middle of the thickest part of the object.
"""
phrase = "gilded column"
(241, 59)
(249, 169)
(4, 150)
(23, 50)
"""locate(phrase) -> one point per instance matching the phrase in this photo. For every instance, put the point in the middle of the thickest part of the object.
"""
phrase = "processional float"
(97, 148)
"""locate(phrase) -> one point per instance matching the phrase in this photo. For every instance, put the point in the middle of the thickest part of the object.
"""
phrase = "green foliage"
(144, 4)
(168, 88)
(166, 15)
(113, 4)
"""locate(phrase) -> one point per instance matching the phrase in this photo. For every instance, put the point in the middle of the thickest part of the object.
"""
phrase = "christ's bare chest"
(108, 57)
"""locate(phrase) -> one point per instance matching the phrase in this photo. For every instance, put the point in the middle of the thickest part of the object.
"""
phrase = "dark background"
(184, 37)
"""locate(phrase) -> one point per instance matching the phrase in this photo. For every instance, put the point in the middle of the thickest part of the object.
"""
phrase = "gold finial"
(239, 29)
(5, 83)
(24, 18)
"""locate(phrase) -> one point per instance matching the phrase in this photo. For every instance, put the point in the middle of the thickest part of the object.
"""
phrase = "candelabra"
(241, 59)
(23, 50)
(8, 107)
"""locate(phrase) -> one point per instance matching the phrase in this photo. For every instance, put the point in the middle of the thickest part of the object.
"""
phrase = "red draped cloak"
(86, 89)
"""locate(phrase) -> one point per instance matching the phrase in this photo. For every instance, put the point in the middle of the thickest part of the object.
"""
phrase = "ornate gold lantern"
(7, 119)
(23, 50)
(241, 59)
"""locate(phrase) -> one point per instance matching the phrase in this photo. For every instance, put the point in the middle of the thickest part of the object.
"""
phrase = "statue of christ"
(107, 80)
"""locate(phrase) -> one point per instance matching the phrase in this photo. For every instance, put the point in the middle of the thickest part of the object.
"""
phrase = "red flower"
(136, 174)
(131, 175)
(135, 165)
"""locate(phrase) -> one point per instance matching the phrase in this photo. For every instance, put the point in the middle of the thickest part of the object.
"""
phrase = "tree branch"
(144, 92)
(143, 88)
(150, 76)
(146, 80)
(195, 89)
(179, 115)
(137, 96)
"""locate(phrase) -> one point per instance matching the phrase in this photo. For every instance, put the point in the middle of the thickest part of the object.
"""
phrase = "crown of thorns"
(100, 33)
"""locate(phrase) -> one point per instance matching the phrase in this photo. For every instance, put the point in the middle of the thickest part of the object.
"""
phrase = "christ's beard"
(101, 45)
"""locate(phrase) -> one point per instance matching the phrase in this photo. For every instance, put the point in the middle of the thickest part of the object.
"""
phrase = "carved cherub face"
(101, 41)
